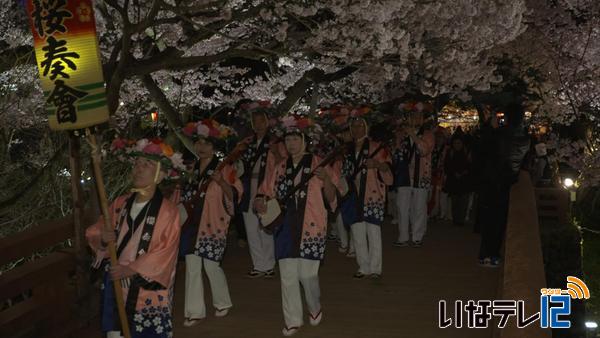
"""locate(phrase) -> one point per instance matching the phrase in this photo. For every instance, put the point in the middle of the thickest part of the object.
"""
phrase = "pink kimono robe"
(212, 210)
(211, 237)
(336, 169)
(420, 161)
(304, 228)
(367, 196)
(151, 251)
(262, 155)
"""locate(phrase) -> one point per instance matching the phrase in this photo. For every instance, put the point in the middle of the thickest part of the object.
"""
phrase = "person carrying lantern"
(146, 234)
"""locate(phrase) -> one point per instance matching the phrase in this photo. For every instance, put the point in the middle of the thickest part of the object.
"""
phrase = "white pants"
(445, 210)
(195, 307)
(293, 272)
(470, 207)
(412, 209)
(441, 207)
(261, 244)
(343, 234)
(333, 229)
(367, 239)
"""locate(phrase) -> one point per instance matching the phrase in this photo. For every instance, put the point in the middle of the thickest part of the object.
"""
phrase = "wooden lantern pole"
(108, 226)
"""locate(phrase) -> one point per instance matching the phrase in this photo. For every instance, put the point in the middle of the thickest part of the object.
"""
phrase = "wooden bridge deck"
(403, 303)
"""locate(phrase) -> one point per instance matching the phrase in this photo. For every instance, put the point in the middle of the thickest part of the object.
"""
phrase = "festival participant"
(263, 151)
(400, 165)
(300, 239)
(367, 171)
(329, 143)
(146, 234)
(343, 230)
(421, 146)
(335, 119)
(439, 201)
(209, 199)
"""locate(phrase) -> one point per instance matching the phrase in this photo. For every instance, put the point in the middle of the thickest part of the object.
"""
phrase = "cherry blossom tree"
(181, 57)
(216, 52)
(563, 42)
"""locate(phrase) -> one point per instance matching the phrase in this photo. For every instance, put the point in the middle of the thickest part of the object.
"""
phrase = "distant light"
(82, 181)
(154, 116)
(568, 182)
(591, 325)
(121, 103)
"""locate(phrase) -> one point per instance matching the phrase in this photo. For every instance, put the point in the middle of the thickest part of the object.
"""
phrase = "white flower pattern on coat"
(153, 321)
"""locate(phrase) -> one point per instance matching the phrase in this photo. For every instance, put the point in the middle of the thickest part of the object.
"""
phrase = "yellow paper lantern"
(66, 50)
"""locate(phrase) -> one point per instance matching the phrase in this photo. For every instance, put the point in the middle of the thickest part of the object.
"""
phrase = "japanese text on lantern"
(66, 50)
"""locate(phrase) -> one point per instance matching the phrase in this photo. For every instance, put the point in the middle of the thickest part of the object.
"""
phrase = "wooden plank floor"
(404, 303)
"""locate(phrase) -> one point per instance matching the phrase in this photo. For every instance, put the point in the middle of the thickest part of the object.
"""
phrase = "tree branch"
(114, 86)
(166, 107)
(149, 19)
(171, 59)
(313, 76)
(215, 26)
(114, 4)
(11, 200)
(295, 92)
(19, 55)
(587, 44)
(214, 32)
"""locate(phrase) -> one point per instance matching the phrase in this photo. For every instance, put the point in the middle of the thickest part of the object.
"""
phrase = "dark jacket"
(457, 167)
(500, 153)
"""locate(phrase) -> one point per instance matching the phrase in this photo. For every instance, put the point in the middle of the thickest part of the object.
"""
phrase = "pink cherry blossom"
(141, 145)
(202, 130)
(153, 149)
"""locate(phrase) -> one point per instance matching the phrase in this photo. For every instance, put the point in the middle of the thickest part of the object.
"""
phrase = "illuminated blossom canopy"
(186, 56)
(212, 53)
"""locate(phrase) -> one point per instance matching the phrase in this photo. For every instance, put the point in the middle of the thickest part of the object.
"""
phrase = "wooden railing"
(39, 297)
(523, 275)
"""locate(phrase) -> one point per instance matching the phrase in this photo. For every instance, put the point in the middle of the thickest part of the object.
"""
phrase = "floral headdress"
(413, 106)
(245, 111)
(367, 114)
(335, 118)
(298, 124)
(209, 129)
(254, 106)
(371, 118)
(155, 149)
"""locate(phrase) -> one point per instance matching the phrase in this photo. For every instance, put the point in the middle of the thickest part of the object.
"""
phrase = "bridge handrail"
(523, 273)
(41, 293)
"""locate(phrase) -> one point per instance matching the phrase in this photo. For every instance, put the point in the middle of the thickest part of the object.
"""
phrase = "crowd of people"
(291, 199)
